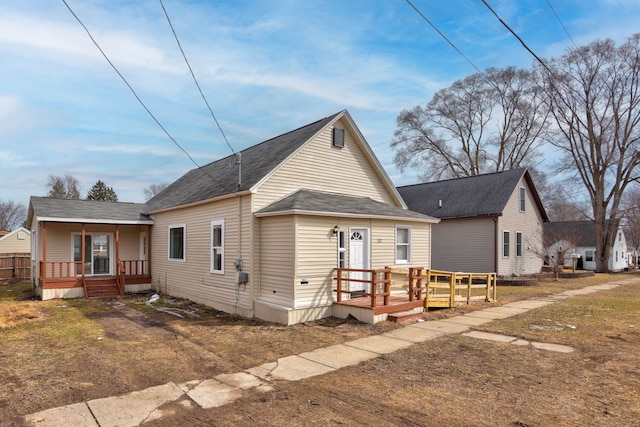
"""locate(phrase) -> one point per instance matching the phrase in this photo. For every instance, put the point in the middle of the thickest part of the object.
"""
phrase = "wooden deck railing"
(72, 269)
(447, 288)
(436, 288)
(379, 284)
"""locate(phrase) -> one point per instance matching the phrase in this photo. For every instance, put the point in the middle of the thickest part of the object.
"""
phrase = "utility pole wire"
(442, 35)
(562, 24)
(135, 94)
(517, 37)
(195, 80)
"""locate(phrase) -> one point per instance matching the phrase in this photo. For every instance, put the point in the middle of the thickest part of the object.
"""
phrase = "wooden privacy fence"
(15, 266)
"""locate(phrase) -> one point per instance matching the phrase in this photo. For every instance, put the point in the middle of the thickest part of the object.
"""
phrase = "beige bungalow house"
(16, 241)
(488, 223)
(260, 233)
(88, 248)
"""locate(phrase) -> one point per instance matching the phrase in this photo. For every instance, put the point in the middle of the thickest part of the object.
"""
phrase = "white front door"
(359, 258)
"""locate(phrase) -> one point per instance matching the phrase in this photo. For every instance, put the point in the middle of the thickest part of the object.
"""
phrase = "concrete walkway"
(135, 408)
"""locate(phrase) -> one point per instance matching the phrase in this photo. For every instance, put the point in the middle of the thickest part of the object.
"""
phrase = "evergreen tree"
(100, 191)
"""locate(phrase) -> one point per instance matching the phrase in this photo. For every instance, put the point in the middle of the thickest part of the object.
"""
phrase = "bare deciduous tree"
(594, 95)
(154, 189)
(486, 122)
(12, 215)
(63, 187)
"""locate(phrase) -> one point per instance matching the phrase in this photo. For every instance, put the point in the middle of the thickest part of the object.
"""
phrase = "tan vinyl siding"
(60, 244)
(278, 258)
(529, 223)
(192, 278)
(11, 244)
(465, 244)
(322, 167)
(317, 252)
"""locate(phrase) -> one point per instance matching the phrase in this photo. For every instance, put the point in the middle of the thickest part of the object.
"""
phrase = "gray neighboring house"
(488, 223)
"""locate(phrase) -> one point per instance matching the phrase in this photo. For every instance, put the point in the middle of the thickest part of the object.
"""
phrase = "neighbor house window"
(522, 199)
(217, 246)
(505, 244)
(342, 249)
(177, 242)
(588, 256)
(403, 245)
(518, 243)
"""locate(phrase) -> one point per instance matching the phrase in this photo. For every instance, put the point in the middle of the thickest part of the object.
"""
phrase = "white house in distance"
(258, 233)
(488, 223)
(564, 238)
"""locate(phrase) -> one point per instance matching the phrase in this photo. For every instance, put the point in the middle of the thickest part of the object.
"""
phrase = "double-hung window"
(177, 242)
(518, 243)
(403, 245)
(522, 199)
(217, 246)
(505, 244)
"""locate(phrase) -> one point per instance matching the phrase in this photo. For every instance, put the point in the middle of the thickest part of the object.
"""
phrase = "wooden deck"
(396, 304)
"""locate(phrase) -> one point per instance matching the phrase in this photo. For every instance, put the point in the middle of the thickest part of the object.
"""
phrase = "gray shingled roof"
(581, 233)
(218, 178)
(73, 210)
(480, 195)
(307, 201)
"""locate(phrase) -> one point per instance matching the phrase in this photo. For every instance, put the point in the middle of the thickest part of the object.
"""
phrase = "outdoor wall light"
(335, 229)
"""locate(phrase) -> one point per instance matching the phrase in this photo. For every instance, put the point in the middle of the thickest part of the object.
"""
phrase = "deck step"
(102, 290)
(403, 317)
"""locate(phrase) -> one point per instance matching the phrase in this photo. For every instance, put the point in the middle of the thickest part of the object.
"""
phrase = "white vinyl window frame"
(522, 199)
(506, 243)
(403, 244)
(217, 246)
(90, 268)
(177, 253)
(518, 243)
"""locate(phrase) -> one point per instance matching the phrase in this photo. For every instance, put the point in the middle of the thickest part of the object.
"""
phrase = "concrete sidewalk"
(136, 408)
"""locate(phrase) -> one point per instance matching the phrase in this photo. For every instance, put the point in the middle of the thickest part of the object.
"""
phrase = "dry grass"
(63, 352)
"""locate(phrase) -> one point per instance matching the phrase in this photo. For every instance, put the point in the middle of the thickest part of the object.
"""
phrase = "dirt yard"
(55, 353)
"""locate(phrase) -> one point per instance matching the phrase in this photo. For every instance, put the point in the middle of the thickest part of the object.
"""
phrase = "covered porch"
(99, 264)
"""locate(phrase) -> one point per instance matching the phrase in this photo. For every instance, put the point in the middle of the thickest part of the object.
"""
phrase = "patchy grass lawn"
(54, 353)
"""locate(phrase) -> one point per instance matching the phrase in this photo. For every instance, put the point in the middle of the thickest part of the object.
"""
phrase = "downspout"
(495, 245)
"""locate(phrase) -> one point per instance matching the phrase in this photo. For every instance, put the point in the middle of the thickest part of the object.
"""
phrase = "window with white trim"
(217, 246)
(342, 249)
(177, 242)
(588, 256)
(505, 244)
(403, 245)
(518, 243)
(522, 199)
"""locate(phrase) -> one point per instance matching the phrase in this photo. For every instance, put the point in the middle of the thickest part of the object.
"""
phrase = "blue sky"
(265, 66)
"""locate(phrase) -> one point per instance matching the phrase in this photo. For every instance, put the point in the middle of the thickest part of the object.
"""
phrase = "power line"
(442, 35)
(517, 37)
(560, 21)
(135, 94)
(195, 80)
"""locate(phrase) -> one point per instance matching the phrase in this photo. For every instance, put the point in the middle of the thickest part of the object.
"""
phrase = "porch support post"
(117, 247)
(148, 251)
(83, 249)
(44, 252)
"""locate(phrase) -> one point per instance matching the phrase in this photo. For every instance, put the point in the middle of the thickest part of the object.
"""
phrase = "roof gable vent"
(338, 137)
